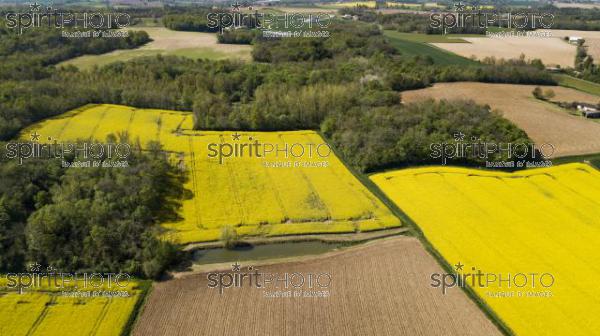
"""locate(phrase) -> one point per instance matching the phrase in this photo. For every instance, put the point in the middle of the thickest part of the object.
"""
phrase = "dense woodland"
(348, 86)
(395, 136)
(574, 18)
(27, 56)
(188, 22)
(92, 219)
(563, 18)
(407, 22)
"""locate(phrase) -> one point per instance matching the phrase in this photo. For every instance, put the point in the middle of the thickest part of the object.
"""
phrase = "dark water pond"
(258, 252)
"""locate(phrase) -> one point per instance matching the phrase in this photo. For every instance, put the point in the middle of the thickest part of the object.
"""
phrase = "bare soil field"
(380, 288)
(551, 50)
(592, 39)
(576, 5)
(168, 42)
(166, 39)
(544, 122)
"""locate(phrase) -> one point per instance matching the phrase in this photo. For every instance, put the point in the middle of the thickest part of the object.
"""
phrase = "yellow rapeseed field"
(315, 194)
(542, 221)
(352, 4)
(46, 311)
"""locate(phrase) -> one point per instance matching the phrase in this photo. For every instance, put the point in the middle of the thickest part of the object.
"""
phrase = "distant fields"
(373, 4)
(350, 4)
(46, 312)
(413, 5)
(193, 45)
(241, 191)
(592, 39)
(544, 122)
(416, 45)
(431, 38)
(551, 50)
(535, 221)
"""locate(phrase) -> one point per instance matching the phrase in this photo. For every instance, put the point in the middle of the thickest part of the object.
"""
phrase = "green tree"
(229, 237)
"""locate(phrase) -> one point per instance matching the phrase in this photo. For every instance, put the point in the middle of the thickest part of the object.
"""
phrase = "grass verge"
(593, 159)
(146, 289)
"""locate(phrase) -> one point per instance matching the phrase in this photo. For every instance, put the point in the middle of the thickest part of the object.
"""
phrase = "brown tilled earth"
(544, 122)
(551, 50)
(380, 288)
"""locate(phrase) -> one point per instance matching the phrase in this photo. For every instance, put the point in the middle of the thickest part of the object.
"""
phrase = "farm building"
(588, 110)
(574, 39)
(350, 17)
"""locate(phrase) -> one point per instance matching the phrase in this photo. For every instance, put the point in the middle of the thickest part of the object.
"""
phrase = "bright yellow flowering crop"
(304, 189)
(542, 221)
(46, 311)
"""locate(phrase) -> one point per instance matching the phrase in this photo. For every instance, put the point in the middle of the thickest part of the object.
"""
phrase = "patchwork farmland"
(44, 311)
(167, 42)
(380, 288)
(237, 191)
(544, 122)
(535, 221)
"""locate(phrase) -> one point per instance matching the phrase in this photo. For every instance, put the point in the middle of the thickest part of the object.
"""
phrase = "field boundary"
(330, 238)
(591, 159)
(146, 287)
(579, 84)
(418, 233)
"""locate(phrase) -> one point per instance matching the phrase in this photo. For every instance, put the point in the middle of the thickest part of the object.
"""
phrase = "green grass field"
(431, 38)
(411, 45)
(593, 159)
(578, 84)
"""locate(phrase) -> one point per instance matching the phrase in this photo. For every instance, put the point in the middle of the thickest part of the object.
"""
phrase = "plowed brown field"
(381, 288)
(551, 50)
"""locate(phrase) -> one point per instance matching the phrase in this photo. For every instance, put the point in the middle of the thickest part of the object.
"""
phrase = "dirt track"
(544, 122)
(380, 288)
